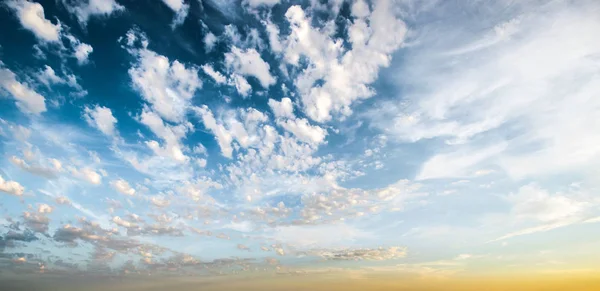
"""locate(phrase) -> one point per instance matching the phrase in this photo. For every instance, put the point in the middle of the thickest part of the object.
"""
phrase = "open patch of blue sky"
(226, 136)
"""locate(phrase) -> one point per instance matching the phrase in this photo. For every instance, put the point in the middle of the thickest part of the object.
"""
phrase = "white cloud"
(283, 108)
(31, 16)
(88, 175)
(82, 52)
(171, 135)
(209, 42)
(44, 208)
(11, 187)
(533, 202)
(217, 76)
(241, 84)
(167, 86)
(457, 164)
(181, 10)
(46, 171)
(85, 9)
(345, 74)
(123, 187)
(27, 99)
(258, 3)
(486, 86)
(249, 63)
(48, 77)
(273, 33)
(101, 118)
(305, 132)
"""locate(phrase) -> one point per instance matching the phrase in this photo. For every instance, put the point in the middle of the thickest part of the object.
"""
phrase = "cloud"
(180, 8)
(305, 132)
(82, 52)
(31, 16)
(335, 77)
(44, 208)
(249, 63)
(101, 118)
(87, 175)
(123, 187)
(283, 108)
(167, 86)
(86, 9)
(28, 100)
(37, 222)
(484, 86)
(533, 202)
(11, 187)
(217, 76)
(378, 254)
(49, 172)
(48, 77)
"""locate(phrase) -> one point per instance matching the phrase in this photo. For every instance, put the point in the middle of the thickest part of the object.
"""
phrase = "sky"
(214, 139)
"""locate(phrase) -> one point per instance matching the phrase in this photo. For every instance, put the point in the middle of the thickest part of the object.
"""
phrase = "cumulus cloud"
(50, 171)
(31, 15)
(28, 100)
(87, 175)
(11, 187)
(336, 77)
(249, 63)
(123, 187)
(167, 86)
(82, 52)
(216, 76)
(283, 108)
(181, 10)
(101, 118)
(37, 221)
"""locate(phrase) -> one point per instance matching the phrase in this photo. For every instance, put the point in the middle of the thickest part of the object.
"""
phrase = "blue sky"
(225, 136)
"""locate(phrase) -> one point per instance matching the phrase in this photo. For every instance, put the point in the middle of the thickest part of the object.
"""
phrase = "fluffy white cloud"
(305, 132)
(167, 86)
(209, 41)
(44, 208)
(180, 8)
(241, 84)
(123, 187)
(249, 63)
(101, 118)
(86, 9)
(336, 77)
(87, 175)
(27, 99)
(82, 52)
(11, 187)
(171, 135)
(217, 76)
(47, 170)
(31, 15)
(49, 77)
(283, 108)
